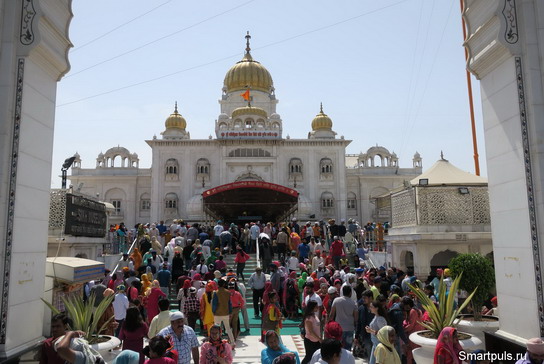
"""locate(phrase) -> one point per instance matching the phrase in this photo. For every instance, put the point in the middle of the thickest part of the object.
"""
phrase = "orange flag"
(245, 95)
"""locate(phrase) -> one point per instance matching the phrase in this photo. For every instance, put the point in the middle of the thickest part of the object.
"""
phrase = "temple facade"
(249, 171)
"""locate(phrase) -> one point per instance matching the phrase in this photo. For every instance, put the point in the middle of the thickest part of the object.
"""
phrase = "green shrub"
(477, 274)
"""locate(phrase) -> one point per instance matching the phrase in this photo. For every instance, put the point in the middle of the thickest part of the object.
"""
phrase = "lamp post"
(67, 164)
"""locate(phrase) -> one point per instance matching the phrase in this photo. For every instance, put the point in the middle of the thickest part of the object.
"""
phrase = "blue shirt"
(164, 277)
(304, 250)
(161, 228)
(184, 344)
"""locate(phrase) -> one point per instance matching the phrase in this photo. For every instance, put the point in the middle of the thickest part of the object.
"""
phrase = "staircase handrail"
(257, 253)
(130, 249)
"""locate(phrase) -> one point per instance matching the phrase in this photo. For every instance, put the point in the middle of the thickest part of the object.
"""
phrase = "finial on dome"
(442, 155)
(176, 108)
(248, 37)
(321, 107)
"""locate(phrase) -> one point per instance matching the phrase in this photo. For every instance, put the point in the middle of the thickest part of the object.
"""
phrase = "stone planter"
(425, 354)
(106, 348)
(477, 328)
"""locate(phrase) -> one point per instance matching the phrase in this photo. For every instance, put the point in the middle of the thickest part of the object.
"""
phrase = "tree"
(478, 274)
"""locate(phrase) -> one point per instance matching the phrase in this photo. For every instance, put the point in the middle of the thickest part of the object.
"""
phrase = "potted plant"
(85, 318)
(479, 276)
(440, 316)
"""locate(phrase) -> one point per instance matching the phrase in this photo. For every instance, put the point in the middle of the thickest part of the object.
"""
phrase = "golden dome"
(248, 73)
(321, 121)
(175, 120)
(249, 110)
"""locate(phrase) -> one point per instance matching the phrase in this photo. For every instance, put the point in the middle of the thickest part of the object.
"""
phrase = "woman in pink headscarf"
(153, 301)
(448, 347)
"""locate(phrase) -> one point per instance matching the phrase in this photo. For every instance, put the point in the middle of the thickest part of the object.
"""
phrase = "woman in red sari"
(153, 301)
(448, 347)
(411, 324)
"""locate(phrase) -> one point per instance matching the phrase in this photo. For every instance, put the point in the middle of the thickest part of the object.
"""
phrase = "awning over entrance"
(250, 201)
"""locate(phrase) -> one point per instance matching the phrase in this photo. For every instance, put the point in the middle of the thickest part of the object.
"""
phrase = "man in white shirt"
(312, 296)
(120, 306)
(257, 281)
(318, 259)
(217, 230)
(292, 262)
(254, 232)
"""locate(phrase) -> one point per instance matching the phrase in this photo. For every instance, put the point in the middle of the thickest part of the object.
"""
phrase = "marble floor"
(248, 349)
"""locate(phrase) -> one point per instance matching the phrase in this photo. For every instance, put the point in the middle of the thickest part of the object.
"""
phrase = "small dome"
(175, 120)
(417, 155)
(248, 73)
(249, 110)
(378, 150)
(321, 121)
(117, 151)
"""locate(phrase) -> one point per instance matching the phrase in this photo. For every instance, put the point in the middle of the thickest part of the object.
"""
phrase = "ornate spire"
(176, 108)
(321, 107)
(247, 55)
(248, 37)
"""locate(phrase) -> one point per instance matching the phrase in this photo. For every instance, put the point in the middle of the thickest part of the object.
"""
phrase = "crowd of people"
(316, 273)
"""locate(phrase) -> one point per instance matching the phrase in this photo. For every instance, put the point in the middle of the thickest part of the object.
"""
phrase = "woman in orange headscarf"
(295, 241)
(146, 284)
(206, 312)
(136, 258)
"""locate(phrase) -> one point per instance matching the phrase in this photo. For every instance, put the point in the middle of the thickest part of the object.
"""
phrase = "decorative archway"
(250, 200)
(407, 259)
(442, 259)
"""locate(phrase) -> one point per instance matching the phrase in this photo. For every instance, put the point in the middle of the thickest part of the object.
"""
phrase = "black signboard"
(85, 217)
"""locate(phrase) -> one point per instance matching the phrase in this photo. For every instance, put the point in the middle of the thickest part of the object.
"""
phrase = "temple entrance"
(245, 201)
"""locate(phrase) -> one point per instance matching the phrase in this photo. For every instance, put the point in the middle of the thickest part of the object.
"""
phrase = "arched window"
(325, 166)
(171, 201)
(202, 169)
(171, 166)
(327, 200)
(295, 167)
(172, 170)
(145, 202)
(352, 201)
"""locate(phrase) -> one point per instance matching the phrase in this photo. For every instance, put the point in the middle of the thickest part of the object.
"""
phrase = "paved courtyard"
(248, 349)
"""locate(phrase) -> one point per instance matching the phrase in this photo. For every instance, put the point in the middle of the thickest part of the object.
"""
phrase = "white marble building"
(436, 216)
(248, 146)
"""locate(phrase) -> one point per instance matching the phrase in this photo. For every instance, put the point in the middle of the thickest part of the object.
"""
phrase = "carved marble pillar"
(33, 57)
(505, 53)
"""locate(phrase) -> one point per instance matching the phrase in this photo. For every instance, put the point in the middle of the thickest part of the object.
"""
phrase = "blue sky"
(388, 72)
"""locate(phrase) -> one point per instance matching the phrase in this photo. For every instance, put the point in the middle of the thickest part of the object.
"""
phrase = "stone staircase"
(254, 324)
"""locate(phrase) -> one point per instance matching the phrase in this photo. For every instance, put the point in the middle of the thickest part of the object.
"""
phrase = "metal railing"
(130, 249)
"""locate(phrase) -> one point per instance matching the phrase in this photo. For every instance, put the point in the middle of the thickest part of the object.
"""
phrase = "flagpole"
(470, 100)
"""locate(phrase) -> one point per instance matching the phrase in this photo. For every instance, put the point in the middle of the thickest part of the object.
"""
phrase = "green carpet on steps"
(290, 327)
